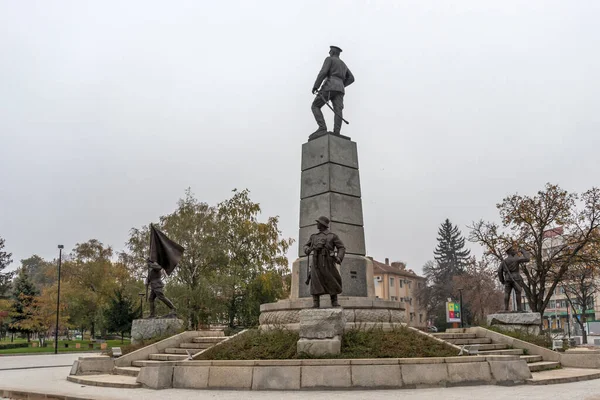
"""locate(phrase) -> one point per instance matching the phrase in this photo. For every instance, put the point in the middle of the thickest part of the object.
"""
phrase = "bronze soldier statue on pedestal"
(337, 76)
(154, 280)
(509, 275)
(324, 277)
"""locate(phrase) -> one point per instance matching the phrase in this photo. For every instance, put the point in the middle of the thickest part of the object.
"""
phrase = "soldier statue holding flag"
(165, 254)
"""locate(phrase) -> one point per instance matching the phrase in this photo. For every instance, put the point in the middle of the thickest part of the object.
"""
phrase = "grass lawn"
(375, 343)
(61, 346)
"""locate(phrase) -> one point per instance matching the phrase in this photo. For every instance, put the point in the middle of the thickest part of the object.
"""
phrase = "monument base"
(321, 330)
(516, 321)
(146, 329)
(359, 313)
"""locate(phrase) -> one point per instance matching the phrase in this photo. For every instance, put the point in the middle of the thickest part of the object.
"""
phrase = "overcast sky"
(109, 110)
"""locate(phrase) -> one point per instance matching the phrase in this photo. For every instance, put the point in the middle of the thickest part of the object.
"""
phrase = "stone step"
(445, 335)
(128, 371)
(506, 352)
(532, 358)
(167, 357)
(490, 346)
(211, 333)
(563, 375)
(146, 363)
(543, 366)
(177, 350)
(469, 341)
(105, 380)
(208, 339)
(196, 346)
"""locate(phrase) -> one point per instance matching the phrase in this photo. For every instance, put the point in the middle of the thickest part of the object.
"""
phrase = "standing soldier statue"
(337, 76)
(509, 275)
(324, 277)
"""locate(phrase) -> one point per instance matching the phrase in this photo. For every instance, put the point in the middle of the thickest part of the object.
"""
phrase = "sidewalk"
(53, 381)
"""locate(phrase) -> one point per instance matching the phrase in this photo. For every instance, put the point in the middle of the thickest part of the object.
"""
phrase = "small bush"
(5, 346)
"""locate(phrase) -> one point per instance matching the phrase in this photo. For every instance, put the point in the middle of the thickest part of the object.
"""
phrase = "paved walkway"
(53, 381)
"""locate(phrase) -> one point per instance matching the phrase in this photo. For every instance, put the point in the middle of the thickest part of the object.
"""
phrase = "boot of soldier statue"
(152, 311)
(316, 302)
(171, 314)
(334, 301)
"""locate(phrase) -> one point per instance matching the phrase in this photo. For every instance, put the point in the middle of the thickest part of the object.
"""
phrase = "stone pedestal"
(321, 331)
(145, 329)
(516, 321)
(330, 187)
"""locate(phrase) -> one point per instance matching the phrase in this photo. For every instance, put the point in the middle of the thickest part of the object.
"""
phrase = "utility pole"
(462, 325)
(60, 247)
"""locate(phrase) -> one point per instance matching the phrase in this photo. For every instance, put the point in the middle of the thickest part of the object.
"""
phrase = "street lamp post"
(60, 247)
(142, 304)
(461, 308)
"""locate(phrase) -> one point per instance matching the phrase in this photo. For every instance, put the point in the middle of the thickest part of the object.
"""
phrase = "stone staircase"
(543, 371)
(126, 376)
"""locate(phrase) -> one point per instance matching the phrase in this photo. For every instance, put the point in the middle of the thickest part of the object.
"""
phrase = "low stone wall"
(337, 374)
(580, 358)
(92, 365)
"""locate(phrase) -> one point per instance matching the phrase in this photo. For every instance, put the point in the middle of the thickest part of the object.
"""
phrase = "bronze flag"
(164, 251)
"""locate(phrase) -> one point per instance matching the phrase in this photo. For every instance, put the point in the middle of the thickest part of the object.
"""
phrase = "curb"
(24, 395)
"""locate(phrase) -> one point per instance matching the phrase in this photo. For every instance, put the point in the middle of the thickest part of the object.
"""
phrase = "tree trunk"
(582, 325)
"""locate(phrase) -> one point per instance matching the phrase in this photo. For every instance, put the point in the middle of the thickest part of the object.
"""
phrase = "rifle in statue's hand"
(308, 269)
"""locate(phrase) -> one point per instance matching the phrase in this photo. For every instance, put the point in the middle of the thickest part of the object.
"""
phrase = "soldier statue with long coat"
(326, 250)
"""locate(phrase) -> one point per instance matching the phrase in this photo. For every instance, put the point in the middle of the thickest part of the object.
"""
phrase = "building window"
(394, 298)
(409, 282)
(412, 316)
(419, 285)
(420, 317)
(391, 282)
(552, 304)
(400, 281)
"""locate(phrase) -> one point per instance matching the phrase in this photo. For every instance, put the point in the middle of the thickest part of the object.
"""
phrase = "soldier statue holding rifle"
(324, 277)
(509, 275)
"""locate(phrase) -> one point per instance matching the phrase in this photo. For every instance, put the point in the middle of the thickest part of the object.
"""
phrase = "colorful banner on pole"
(452, 312)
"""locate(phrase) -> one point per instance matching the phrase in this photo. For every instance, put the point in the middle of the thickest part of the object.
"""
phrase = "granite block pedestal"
(516, 321)
(145, 329)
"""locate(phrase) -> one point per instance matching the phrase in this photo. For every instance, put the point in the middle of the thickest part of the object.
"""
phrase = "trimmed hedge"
(4, 346)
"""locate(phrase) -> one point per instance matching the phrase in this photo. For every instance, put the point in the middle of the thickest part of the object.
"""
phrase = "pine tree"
(5, 260)
(450, 253)
(120, 314)
(23, 295)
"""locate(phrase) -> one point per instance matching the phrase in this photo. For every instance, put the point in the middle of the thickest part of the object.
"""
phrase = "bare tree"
(532, 222)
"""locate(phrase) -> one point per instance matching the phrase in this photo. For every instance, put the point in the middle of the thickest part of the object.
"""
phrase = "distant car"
(432, 329)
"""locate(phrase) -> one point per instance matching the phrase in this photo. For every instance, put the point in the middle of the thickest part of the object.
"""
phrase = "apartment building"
(396, 283)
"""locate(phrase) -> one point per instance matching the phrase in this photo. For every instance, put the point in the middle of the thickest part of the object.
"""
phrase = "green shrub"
(4, 346)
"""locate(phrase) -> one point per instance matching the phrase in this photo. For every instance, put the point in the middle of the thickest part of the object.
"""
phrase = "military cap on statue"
(323, 221)
(335, 48)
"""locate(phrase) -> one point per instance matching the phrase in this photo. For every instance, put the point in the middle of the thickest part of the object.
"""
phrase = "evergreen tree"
(450, 252)
(23, 295)
(5, 277)
(120, 314)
